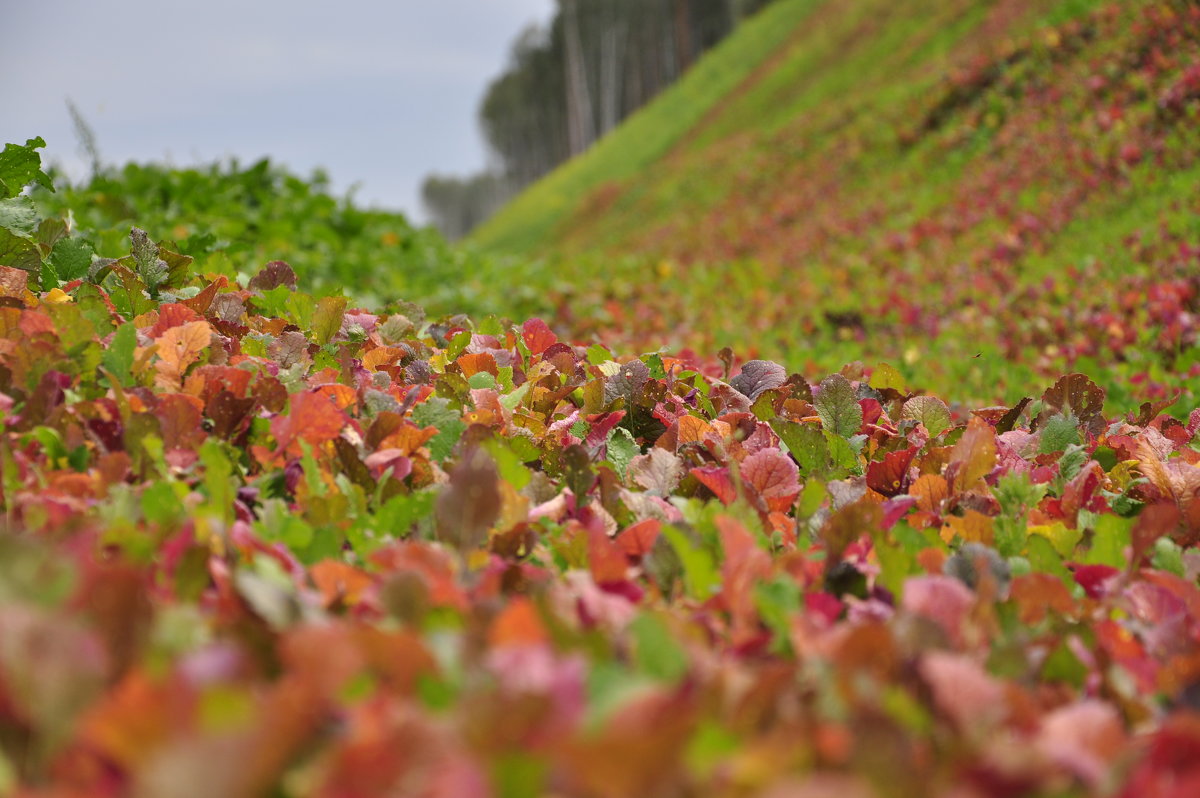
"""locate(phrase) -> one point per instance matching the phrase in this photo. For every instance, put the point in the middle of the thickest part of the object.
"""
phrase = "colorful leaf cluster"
(258, 542)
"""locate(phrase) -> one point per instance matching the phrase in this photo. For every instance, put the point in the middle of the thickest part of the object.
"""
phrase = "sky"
(379, 94)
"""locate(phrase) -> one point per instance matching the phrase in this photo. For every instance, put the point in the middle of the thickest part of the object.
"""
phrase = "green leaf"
(395, 519)
(843, 453)
(512, 469)
(327, 319)
(1016, 493)
(1062, 537)
(1058, 432)
(517, 774)
(896, 564)
(929, 411)
(656, 652)
(160, 504)
(118, 357)
(129, 294)
(217, 473)
(278, 523)
(1043, 557)
(1063, 666)
(19, 217)
(71, 258)
(622, 448)
(20, 166)
(510, 401)
(806, 443)
(149, 267)
(597, 354)
(436, 412)
(837, 406)
(47, 277)
(17, 252)
(776, 602)
(1168, 556)
(1110, 538)
(700, 574)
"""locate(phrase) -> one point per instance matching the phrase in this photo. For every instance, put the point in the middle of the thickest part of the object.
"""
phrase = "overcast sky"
(378, 93)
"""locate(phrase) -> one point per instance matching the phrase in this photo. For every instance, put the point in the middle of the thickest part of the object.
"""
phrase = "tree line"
(568, 83)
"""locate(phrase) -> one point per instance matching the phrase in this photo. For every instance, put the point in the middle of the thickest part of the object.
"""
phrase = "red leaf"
(824, 605)
(470, 503)
(890, 476)
(601, 425)
(638, 540)
(1085, 738)
(773, 476)
(180, 417)
(1095, 579)
(1082, 493)
(745, 566)
(940, 598)
(538, 336)
(963, 690)
(172, 315)
(717, 479)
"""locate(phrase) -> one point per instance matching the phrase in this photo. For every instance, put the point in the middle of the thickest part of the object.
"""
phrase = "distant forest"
(570, 82)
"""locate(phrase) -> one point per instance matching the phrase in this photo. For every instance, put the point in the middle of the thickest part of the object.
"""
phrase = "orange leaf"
(473, 364)
(408, 438)
(339, 582)
(606, 560)
(518, 624)
(381, 356)
(178, 348)
(202, 301)
(974, 456)
(1038, 593)
(342, 396)
(930, 491)
(692, 429)
(312, 417)
(972, 527)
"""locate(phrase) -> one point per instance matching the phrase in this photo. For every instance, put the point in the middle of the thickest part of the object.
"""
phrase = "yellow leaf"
(1061, 537)
(886, 376)
(971, 527)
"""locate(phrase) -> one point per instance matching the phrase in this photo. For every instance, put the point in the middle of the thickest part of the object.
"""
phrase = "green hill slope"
(891, 179)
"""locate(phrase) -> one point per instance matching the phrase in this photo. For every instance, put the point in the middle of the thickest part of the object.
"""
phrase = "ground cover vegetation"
(271, 528)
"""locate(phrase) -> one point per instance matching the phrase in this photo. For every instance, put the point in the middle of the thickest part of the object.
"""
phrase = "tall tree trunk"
(612, 52)
(580, 128)
(683, 38)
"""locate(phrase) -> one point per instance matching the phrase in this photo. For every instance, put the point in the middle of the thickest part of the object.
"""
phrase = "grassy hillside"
(887, 180)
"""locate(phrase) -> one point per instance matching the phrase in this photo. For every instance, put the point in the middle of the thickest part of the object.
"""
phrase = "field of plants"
(847, 452)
